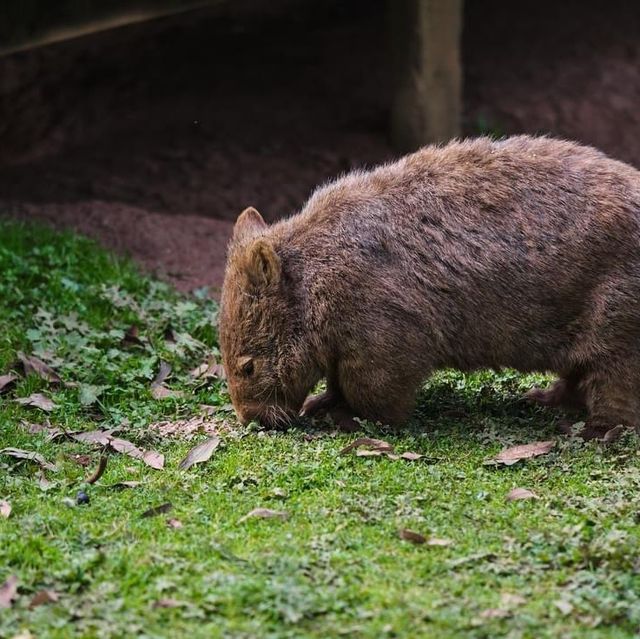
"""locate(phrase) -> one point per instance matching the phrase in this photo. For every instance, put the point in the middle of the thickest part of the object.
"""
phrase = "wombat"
(520, 253)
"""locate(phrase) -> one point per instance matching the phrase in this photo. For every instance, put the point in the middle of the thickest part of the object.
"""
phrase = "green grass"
(336, 566)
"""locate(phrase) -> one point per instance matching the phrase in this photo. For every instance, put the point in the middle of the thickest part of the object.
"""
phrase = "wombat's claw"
(604, 434)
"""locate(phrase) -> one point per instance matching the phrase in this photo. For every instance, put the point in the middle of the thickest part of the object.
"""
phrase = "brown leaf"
(495, 613)
(174, 523)
(264, 513)
(6, 380)
(35, 366)
(5, 508)
(512, 455)
(29, 455)
(510, 599)
(200, 453)
(132, 336)
(162, 392)
(369, 443)
(209, 368)
(565, 607)
(168, 603)
(157, 510)
(408, 455)
(412, 536)
(43, 482)
(186, 428)
(8, 591)
(521, 493)
(126, 484)
(437, 541)
(44, 597)
(106, 438)
(38, 400)
(81, 460)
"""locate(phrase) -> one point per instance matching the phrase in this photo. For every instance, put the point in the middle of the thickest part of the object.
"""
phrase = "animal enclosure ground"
(328, 559)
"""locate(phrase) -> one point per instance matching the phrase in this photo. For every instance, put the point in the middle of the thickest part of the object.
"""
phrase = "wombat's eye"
(246, 365)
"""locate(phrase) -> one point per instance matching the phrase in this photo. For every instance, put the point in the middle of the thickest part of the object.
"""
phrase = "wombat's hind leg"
(613, 400)
(565, 392)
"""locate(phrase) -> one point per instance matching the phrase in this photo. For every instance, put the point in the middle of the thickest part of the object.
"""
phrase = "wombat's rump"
(518, 253)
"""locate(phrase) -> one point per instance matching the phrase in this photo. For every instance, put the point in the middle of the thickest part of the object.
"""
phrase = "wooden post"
(428, 95)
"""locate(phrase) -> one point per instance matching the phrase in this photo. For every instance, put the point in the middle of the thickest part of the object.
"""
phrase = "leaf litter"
(29, 455)
(157, 510)
(370, 447)
(5, 508)
(105, 438)
(186, 428)
(44, 597)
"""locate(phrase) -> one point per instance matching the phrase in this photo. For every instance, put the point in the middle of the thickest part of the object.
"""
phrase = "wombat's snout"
(266, 416)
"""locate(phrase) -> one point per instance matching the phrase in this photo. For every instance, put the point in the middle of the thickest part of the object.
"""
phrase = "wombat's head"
(262, 329)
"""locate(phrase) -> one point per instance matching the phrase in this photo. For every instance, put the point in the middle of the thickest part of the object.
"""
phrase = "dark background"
(200, 114)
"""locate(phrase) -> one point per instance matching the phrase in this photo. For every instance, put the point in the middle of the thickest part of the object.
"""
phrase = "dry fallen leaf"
(34, 365)
(200, 453)
(412, 536)
(209, 368)
(162, 392)
(157, 510)
(132, 336)
(565, 607)
(512, 455)
(8, 591)
(44, 597)
(264, 513)
(408, 455)
(29, 455)
(6, 380)
(5, 508)
(521, 493)
(437, 541)
(38, 400)
(168, 603)
(158, 389)
(510, 599)
(81, 460)
(186, 428)
(370, 443)
(126, 484)
(106, 438)
(174, 523)
(495, 613)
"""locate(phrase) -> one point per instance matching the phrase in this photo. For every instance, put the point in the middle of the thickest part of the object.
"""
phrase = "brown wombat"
(521, 253)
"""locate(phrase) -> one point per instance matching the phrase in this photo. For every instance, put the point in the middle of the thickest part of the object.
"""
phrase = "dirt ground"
(152, 138)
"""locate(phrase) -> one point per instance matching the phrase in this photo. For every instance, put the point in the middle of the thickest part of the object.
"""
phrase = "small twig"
(102, 466)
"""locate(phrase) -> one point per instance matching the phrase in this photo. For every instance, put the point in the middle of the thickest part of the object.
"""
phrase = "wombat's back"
(490, 253)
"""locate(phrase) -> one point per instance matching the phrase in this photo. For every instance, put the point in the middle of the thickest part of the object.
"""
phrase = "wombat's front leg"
(330, 404)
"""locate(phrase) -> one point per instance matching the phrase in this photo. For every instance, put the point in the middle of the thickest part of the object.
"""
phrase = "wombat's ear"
(263, 264)
(248, 224)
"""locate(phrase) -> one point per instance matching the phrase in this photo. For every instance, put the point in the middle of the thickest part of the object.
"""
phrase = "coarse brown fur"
(521, 253)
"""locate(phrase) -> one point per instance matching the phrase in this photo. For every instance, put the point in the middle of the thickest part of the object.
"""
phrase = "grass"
(565, 565)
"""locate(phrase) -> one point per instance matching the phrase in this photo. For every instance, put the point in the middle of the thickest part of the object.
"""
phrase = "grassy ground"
(564, 565)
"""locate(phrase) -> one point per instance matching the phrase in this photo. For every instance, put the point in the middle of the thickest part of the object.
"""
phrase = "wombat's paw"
(344, 420)
(545, 397)
(605, 434)
(318, 405)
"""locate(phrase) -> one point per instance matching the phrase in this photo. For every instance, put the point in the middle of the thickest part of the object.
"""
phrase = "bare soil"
(152, 138)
